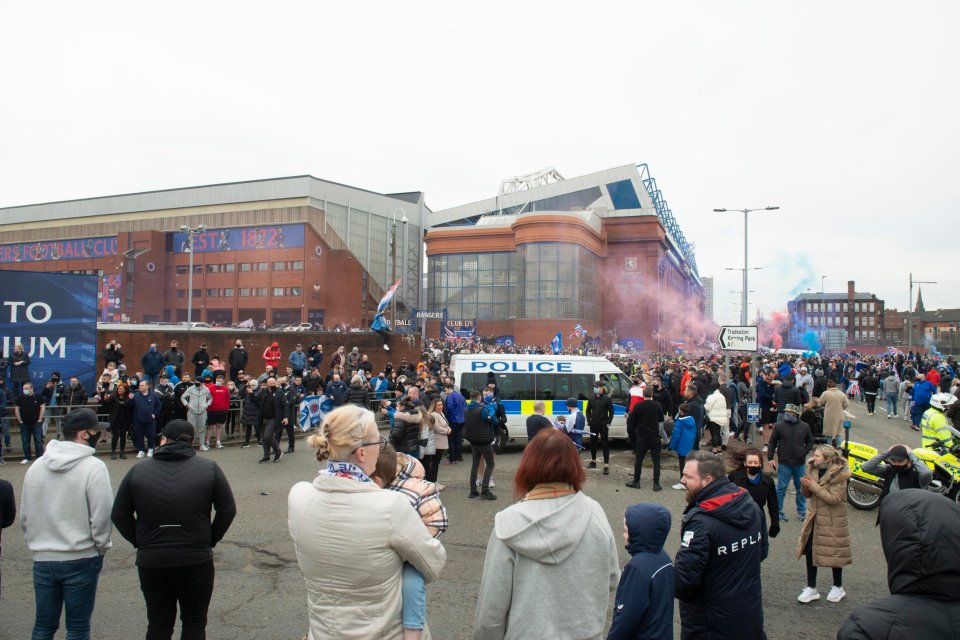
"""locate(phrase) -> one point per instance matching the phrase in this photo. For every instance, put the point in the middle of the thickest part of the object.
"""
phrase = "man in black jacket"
(163, 509)
(920, 533)
(237, 360)
(759, 485)
(273, 416)
(200, 360)
(722, 542)
(478, 425)
(695, 410)
(645, 431)
(174, 356)
(792, 436)
(599, 412)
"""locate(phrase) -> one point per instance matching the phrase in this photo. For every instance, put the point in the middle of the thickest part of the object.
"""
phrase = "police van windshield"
(528, 386)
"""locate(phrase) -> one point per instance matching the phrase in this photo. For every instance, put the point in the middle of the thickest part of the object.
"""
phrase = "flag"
(578, 332)
(380, 323)
(505, 341)
(677, 344)
(385, 300)
(702, 339)
(246, 324)
(557, 343)
(631, 344)
(313, 409)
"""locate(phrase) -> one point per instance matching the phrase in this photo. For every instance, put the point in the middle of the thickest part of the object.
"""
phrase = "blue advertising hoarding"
(276, 236)
(59, 250)
(54, 317)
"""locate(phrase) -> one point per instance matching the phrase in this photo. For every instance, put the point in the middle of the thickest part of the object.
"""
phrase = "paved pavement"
(260, 594)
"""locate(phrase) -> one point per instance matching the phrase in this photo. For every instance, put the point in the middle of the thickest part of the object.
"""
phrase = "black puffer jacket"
(163, 507)
(251, 407)
(722, 542)
(920, 532)
(787, 393)
(476, 430)
(405, 434)
(357, 395)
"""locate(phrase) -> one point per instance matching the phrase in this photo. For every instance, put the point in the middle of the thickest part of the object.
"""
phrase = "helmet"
(942, 400)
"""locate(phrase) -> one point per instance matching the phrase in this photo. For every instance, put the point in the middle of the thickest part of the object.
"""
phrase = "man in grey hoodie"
(65, 516)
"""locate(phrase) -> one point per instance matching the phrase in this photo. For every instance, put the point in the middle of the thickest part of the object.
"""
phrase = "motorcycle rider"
(934, 425)
(899, 468)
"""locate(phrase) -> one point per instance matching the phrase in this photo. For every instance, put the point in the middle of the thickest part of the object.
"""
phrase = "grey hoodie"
(542, 557)
(66, 502)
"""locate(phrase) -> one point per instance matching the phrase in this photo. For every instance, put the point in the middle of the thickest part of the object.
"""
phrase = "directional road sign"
(738, 338)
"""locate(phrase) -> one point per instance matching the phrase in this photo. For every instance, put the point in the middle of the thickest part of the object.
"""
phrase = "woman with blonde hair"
(825, 536)
(437, 442)
(352, 538)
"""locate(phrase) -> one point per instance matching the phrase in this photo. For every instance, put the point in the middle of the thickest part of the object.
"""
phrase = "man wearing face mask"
(599, 412)
(899, 468)
(273, 416)
(760, 486)
(794, 440)
(28, 409)
(152, 364)
(237, 360)
(65, 516)
(200, 360)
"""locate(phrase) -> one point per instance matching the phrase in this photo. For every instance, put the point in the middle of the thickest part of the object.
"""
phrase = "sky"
(843, 114)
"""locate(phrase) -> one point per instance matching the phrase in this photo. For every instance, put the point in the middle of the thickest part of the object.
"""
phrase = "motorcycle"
(864, 489)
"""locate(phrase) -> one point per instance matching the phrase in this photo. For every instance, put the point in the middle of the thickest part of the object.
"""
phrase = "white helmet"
(942, 400)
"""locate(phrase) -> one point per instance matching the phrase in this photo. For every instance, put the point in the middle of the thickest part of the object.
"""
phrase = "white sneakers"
(139, 454)
(678, 487)
(150, 453)
(809, 594)
(204, 447)
(836, 594)
(480, 483)
(219, 446)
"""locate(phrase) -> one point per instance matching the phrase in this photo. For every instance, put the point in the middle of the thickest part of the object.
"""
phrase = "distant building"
(707, 282)
(836, 320)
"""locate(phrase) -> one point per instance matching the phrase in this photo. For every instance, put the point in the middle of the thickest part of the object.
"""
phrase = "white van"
(523, 379)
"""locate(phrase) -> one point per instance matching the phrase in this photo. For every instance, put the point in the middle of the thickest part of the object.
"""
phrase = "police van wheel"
(501, 441)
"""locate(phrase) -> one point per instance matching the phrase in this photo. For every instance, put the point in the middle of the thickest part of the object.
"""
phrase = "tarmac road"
(259, 592)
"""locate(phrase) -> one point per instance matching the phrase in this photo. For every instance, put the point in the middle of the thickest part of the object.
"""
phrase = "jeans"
(152, 380)
(271, 440)
(456, 442)
(70, 585)
(643, 446)
(871, 401)
(36, 430)
(163, 587)
(6, 432)
(812, 569)
(918, 411)
(891, 405)
(414, 598)
(144, 429)
(784, 473)
(484, 451)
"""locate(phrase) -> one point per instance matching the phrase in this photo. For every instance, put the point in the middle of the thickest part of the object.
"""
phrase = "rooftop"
(834, 296)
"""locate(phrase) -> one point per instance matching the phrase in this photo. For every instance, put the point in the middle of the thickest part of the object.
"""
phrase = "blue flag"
(505, 341)
(557, 343)
(312, 411)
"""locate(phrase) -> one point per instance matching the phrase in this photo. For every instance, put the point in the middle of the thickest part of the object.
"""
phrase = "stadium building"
(278, 251)
(546, 254)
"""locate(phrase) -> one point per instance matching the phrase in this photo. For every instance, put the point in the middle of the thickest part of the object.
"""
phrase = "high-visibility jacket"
(934, 427)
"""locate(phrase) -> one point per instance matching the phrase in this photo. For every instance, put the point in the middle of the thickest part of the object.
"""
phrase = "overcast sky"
(844, 114)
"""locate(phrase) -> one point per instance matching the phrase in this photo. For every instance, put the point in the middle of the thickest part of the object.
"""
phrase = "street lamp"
(743, 312)
(822, 278)
(190, 231)
(393, 253)
(743, 293)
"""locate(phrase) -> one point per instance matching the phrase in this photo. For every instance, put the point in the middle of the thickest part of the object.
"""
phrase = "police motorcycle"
(864, 489)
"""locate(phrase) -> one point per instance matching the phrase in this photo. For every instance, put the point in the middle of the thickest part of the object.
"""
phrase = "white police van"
(526, 378)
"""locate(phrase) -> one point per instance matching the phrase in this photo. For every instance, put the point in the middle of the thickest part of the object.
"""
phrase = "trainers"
(149, 453)
(592, 465)
(277, 457)
(24, 461)
(386, 348)
(123, 456)
(678, 487)
(802, 516)
(204, 447)
(139, 454)
(633, 484)
(262, 460)
(113, 456)
(2, 462)
(836, 594)
(764, 448)
(474, 494)
(657, 487)
(440, 487)
(245, 445)
(783, 517)
(809, 594)
(219, 446)
(289, 449)
(606, 471)
(486, 495)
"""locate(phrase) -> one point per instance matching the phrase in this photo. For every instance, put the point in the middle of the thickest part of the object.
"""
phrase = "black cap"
(898, 453)
(179, 430)
(572, 402)
(81, 420)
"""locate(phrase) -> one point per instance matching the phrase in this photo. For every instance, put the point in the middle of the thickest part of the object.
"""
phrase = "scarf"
(345, 470)
(547, 490)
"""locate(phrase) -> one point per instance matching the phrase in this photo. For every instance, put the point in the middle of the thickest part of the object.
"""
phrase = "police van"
(525, 378)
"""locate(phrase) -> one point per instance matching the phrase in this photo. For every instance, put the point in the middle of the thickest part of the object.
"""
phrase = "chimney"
(851, 289)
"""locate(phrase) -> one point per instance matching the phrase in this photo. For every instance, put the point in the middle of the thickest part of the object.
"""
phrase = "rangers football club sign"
(630, 264)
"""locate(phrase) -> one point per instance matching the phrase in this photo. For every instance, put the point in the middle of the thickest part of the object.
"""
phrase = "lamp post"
(744, 291)
(190, 231)
(393, 253)
(743, 311)
(910, 310)
(822, 278)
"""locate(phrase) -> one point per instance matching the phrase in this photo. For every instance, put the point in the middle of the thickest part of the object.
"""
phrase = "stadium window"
(243, 292)
(278, 291)
(182, 269)
(229, 268)
(245, 267)
(260, 291)
(279, 266)
(226, 293)
(296, 291)
(296, 265)
(212, 293)
(181, 293)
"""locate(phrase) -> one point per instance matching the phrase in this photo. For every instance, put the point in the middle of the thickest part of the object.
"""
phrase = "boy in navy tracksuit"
(644, 605)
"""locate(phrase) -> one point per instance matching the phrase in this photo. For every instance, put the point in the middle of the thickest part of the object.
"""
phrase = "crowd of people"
(553, 535)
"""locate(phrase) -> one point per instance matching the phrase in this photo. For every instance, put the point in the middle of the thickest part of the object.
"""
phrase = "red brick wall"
(135, 343)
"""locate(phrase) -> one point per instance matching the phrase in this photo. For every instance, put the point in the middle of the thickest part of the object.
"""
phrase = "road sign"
(753, 412)
(738, 338)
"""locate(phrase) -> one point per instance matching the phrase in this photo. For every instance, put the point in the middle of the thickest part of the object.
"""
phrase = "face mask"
(791, 418)
(596, 390)
(92, 440)
(73, 384)
(239, 346)
(28, 392)
(219, 384)
(153, 349)
(753, 470)
(198, 383)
